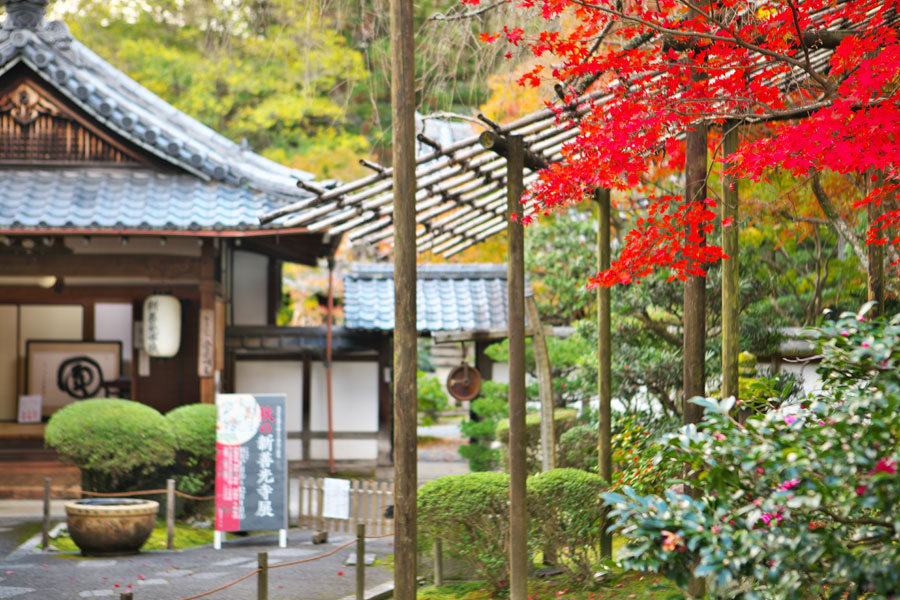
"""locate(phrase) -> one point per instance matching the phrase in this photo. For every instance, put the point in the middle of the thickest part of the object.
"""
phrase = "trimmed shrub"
(470, 515)
(194, 429)
(488, 409)
(114, 442)
(567, 518)
(577, 448)
(563, 420)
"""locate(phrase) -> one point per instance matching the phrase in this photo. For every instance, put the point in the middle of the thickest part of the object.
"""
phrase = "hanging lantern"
(162, 325)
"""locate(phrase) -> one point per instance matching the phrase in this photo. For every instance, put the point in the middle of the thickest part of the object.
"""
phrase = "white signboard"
(336, 499)
(30, 408)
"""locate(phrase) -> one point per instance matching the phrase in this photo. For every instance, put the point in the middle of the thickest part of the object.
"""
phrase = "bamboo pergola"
(460, 187)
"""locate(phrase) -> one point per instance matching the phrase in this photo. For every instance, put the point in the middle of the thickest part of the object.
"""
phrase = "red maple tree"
(815, 79)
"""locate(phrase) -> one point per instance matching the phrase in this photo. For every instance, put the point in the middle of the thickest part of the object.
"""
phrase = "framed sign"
(30, 409)
(251, 464)
(63, 372)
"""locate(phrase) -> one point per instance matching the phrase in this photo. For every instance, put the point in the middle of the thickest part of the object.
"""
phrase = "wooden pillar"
(695, 286)
(875, 275)
(731, 300)
(545, 385)
(403, 70)
(207, 303)
(518, 517)
(604, 355)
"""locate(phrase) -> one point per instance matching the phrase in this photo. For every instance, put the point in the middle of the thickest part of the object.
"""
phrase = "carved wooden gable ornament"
(36, 127)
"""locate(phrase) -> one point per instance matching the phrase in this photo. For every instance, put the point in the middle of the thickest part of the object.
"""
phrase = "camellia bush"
(800, 502)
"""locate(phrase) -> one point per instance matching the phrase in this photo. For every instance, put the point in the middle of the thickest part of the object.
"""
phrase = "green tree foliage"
(277, 73)
(431, 396)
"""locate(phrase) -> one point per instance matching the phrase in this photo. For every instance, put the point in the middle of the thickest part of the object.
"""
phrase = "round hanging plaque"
(464, 382)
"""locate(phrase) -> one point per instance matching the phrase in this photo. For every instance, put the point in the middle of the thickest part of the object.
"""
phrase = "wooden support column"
(731, 300)
(403, 70)
(207, 303)
(518, 517)
(545, 385)
(875, 275)
(695, 286)
(604, 355)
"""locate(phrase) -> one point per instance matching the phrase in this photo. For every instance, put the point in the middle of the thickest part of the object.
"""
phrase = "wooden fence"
(368, 501)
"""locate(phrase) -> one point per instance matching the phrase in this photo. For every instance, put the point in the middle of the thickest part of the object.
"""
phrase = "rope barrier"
(144, 493)
(222, 587)
(312, 558)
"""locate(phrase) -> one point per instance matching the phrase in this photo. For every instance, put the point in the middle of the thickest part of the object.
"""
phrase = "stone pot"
(110, 525)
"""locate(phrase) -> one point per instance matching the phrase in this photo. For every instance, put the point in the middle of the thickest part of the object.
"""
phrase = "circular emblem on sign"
(237, 418)
(464, 382)
(80, 377)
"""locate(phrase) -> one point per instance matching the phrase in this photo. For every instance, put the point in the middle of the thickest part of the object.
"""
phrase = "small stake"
(262, 578)
(438, 563)
(360, 561)
(45, 535)
(170, 514)
(126, 596)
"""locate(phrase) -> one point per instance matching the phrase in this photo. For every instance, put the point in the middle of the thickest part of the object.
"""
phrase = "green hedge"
(470, 515)
(567, 517)
(115, 443)
(577, 448)
(563, 420)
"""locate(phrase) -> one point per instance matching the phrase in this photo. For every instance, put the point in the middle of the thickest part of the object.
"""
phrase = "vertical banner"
(251, 465)
(206, 356)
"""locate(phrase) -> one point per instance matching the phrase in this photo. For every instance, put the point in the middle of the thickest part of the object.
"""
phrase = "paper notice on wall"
(30, 408)
(336, 498)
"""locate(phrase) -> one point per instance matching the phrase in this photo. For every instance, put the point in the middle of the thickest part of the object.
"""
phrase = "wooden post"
(604, 356)
(170, 514)
(262, 578)
(126, 596)
(438, 563)
(518, 518)
(694, 306)
(403, 102)
(545, 385)
(45, 534)
(695, 286)
(731, 300)
(360, 561)
(875, 275)
(208, 302)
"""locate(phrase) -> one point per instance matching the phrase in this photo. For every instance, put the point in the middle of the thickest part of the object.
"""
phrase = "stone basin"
(105, 526)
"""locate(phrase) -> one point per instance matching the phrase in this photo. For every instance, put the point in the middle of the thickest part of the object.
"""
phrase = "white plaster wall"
(354, 397)
(49, 322)
(345, 449)
(275, 377)
(249, 288)
(500, 372)
(113, 322)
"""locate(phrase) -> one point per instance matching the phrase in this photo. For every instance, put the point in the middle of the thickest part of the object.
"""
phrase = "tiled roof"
(125, 198)
(130, 110)
(448, 297)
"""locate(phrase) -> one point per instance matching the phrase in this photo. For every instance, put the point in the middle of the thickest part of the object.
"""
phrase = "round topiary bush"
(194, 428)
(567, 518)
(577, 448)
(470, 515)
(114, 442)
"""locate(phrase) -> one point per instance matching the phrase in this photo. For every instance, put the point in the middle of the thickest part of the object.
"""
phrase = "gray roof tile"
(125, 198)
(448, 297)
(135, 113)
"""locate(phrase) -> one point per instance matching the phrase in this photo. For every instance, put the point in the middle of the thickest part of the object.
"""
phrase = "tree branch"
(838, 224)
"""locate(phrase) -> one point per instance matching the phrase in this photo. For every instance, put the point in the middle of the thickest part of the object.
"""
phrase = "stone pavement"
(29, 574)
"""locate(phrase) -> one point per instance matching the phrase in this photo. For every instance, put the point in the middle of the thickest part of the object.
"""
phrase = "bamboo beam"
(604, 357)
(518, 516)
(499, 144)
(405, 335)
(731, 300)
